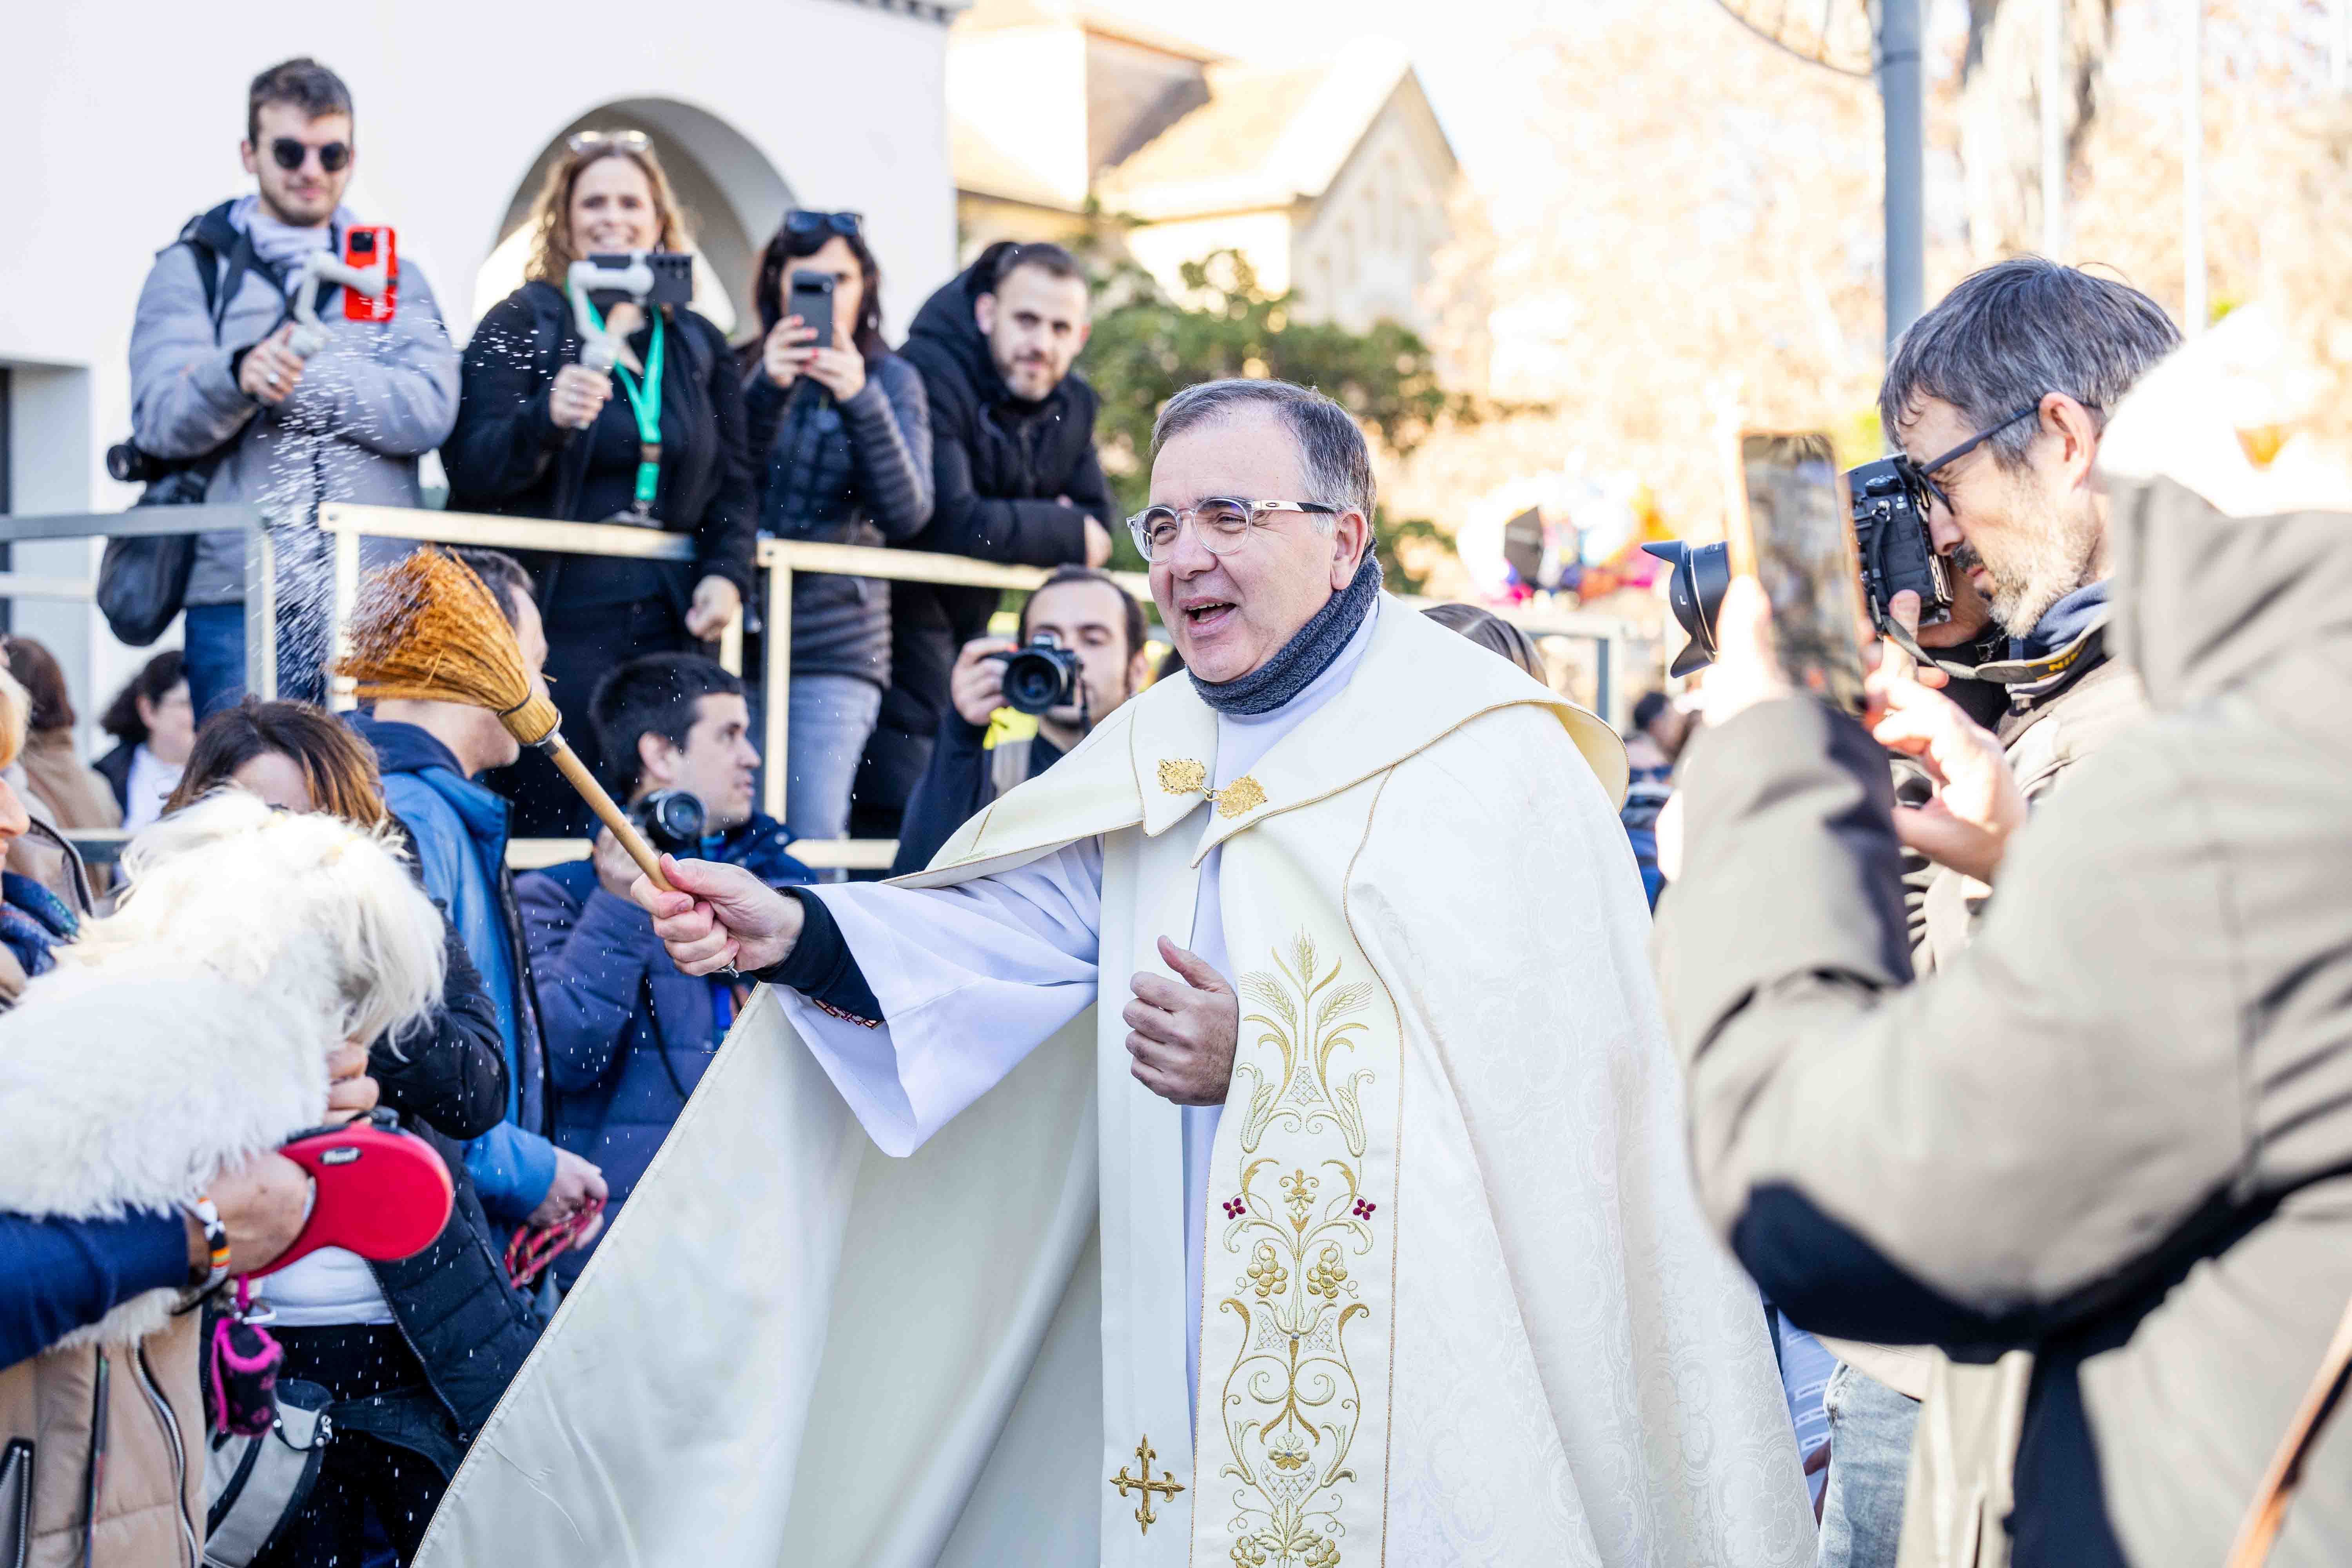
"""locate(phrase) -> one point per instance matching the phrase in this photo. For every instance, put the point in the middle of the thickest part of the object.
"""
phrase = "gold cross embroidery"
(1167, 1485)
(1184, 776)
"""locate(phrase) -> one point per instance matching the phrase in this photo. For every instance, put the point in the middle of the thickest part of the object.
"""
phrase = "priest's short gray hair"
(1332, 451)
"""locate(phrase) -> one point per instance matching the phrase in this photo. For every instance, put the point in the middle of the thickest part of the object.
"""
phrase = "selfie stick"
(601, 348)
(318, 266)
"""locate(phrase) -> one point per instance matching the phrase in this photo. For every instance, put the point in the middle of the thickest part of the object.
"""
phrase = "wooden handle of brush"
(568, 763)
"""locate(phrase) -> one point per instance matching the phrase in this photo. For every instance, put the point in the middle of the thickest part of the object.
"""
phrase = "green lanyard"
(645, 399)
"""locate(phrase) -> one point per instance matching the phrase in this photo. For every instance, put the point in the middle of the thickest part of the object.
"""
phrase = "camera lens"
(1032, 682)
(672, 818)
(1694, 592)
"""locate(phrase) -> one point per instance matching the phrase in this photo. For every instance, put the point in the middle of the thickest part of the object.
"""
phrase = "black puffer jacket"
(451, 1302)
(998, 465)
(842, 473)
(507, 455)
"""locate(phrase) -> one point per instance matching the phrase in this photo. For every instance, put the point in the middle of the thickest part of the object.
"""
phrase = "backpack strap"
(2256, 1536)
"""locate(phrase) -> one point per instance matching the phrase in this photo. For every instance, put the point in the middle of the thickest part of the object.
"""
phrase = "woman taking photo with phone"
(841, 435)
(658, 443)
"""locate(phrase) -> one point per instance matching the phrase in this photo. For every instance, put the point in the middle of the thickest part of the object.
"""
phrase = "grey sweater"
(369, 404)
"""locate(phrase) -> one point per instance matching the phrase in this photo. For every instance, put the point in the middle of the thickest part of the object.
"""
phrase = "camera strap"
(645, 401)
(2004, 671)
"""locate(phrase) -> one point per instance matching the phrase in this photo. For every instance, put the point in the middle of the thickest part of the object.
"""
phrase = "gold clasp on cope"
(1183, 776)
(1167, 1485)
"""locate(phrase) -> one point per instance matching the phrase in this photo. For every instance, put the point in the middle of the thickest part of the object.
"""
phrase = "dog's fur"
(191, 1028)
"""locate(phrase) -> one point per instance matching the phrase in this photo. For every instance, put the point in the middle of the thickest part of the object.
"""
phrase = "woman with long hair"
(660, 444)
(414, 1353)
(841, 436)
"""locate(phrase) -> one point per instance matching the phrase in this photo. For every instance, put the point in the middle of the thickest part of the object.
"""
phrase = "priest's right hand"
(719, 916)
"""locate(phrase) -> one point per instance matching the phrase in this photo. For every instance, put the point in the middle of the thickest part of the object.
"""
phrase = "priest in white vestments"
(1254, 1141)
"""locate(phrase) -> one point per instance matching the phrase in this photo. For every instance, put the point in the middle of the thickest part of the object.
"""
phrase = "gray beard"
(2023, 589)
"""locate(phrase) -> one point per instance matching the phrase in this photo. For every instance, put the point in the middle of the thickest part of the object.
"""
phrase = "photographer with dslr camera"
(1997, 399)
(1081, 654)
(627, 1035)
(2105, 1145)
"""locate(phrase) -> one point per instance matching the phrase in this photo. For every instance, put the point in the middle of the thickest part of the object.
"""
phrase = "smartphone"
(812, 300)
(1793, 532)
(673, 276)
(366, 246)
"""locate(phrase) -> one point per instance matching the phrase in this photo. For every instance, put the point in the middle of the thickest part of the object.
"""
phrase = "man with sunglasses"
(217, 385)
(1251, 1139)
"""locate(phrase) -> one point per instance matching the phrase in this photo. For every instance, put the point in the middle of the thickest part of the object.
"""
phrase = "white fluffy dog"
(192, 1027)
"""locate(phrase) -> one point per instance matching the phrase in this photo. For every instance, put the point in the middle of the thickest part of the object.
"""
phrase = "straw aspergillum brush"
(427, 629)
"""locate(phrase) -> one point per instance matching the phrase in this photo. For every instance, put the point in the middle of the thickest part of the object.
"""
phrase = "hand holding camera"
(995, 672)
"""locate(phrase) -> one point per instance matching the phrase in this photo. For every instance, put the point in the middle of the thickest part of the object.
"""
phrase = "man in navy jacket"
(627, 1035)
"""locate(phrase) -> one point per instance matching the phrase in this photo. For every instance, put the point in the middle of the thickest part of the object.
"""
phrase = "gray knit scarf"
(1306, 655)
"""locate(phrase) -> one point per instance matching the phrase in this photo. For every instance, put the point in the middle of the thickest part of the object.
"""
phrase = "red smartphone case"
(384, 1196)
(358, 307)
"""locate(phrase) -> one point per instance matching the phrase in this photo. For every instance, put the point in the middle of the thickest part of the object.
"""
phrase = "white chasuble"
(929, 1293)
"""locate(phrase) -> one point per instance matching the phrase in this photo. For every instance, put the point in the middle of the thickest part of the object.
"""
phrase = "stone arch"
(733, 197)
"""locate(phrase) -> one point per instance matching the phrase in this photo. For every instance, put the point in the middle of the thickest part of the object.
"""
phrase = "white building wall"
(124, 119)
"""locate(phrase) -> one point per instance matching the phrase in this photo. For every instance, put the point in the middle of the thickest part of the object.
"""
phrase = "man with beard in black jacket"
(1013, 459)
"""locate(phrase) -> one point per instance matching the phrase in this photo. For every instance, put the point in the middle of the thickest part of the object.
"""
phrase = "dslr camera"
(1889, 498)
(673, 821)
(1041, 677)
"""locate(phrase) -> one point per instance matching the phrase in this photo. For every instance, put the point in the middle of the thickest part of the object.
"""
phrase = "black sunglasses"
(289, 154)
(800, 223)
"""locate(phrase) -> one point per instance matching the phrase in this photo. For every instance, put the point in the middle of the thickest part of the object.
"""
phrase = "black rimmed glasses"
(1918, 472)
(291, 154)
(632, 141)
(800, 223)
(1222, 523)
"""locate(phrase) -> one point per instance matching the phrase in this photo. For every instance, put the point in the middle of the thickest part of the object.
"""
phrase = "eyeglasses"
(291, 154)
(1222, 523)
(800, 223)
(1918, 472)
(609, 141)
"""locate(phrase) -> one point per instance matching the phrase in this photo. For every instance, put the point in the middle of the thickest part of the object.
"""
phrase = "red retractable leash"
(535, 1247)
(381, 1195)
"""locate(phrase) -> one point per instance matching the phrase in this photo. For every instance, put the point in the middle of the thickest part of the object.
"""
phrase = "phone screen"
(1794, 535)
(812, 301)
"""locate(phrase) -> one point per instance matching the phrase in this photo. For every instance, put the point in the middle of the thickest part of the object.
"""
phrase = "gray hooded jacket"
(379, 396)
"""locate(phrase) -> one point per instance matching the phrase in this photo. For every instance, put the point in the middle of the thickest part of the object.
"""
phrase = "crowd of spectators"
(564, 1043)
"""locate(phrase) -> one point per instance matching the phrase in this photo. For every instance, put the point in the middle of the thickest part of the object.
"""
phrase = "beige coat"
(2115, 1131)
(151, 1503)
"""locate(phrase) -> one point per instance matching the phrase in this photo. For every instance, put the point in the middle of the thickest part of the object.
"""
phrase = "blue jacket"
(64, 1274)
(459, 828)
(629, 1036)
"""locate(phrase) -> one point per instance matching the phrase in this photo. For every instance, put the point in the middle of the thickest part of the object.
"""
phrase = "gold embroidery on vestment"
(1167, 1485)
(1291, 1403)
(1243, 793)
(1181, 776)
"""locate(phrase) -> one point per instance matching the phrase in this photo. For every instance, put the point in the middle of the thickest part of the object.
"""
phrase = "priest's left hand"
(1181, 1031)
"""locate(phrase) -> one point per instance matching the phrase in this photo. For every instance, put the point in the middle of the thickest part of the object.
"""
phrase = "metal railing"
(778, 560)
